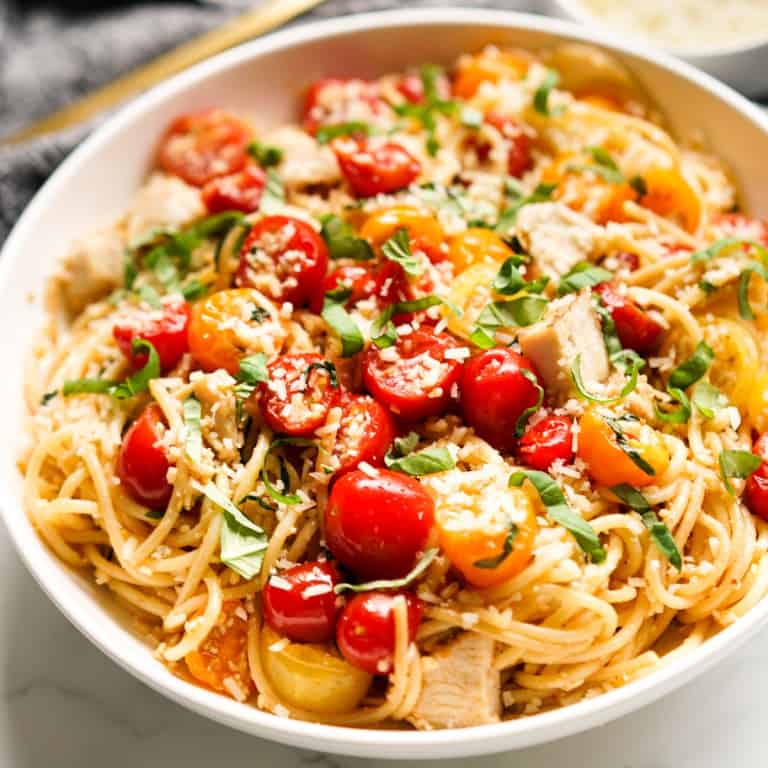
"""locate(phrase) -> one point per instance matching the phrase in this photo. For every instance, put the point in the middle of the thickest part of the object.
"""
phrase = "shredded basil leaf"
(326, 366)
(708, 399)
(693, 368)
(681, 414)
(604, 166)
(193, 437)
(706, 287)
(715, 249)
(252, 371)
(626, 356)
(639, 185)
(519, 312)
(273, 196)
(427, 462)
(541, 96)
(341, 240)
(510, 281)
(739, 464)
(490, 563)
(150, 296)
(48, 396)
(327, 133)
(398, 249)
(508, 216)
(424, 562)
(259, 314)
(522, 420)
(583, 275)
(745, 308)
(278, 495)
(383, 331)
(265, 155)
(615, 423)
(342, 324)
(193, 290)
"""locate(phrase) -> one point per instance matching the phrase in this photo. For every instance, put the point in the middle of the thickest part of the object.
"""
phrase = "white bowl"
(742, 66)
(263, 78)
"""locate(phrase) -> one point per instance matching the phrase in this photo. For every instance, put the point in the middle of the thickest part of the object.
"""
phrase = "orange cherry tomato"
(423, 228)
(487, 550)
(610, 458)
(602, 101)
(671, 196)
(491, 65)
(475, 245)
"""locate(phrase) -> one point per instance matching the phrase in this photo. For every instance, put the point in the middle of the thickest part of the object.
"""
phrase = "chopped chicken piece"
(460, 687)
(305, 162)
(570, 327)
(557, 237)
(215, 391)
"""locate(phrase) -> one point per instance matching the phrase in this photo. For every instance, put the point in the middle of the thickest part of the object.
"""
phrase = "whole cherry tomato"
(300, 602)
(142, 465)
(414, 377)
(165, 329)
(373, 169)
(237, 192)
(284, 258)
(200, 146)
(378, 525)
(756, 489)
(365, 632)
(334, 100)
(547, 441)
(496, 387)
(636, 328)
(519, 159)
(359, 279)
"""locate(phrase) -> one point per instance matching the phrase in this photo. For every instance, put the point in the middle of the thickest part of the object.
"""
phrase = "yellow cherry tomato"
(609, 456)
(423, 228)
(757, 405)
(470, 291)
(309, 676)
(477, 244)
(490, 65)
(671, 196)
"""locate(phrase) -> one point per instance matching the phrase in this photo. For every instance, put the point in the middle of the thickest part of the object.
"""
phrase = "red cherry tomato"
(494, 394)
(635, 328)
(203, 145)
(365, 433)
(298, 395)
(375, 169)
(142, 465)
(414, 377)
(365, 632)
(519, 159)
(300, 603)
(284, 258)
(165, 328)
(743, 227)
(756, 489)
(411, 86)
(359, 279)
(627, 260)
(236, 192)
(547, 441)
(333, 100)
(377, 526)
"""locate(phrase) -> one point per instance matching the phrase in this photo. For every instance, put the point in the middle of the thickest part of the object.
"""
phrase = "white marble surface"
(65, 705)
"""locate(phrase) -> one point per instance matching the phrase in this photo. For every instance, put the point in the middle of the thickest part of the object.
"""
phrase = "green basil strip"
(265, 155)
(193, 436)
(627, 355)
(490, 563)
(252, 371)
(611, 339)
(193, 290)
(282, 498)
(259, 314)
(659, 533)
(510, 281)
(715, 249)
(522, 420)
(693, 368)
(326, 366)
(519, 312)
(273, 196)
(508, 216)
(708, 399)
(242, 542)
(383, 331)
(754, 267)
(604, 166)
(327, 133)
(426, 462)
(341, 240)
(48, 396)
(424, 562)
(679, 416)
(739, 464)
(558, 510)
(398, 249)
(150, 296)
(583, 275)
(342, 324)
(541, 96)
(639, 185)
(615, 423)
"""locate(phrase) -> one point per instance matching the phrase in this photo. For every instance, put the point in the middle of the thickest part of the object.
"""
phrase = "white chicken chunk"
(305, 162)
(570, 327)
(460, 687)
(215, 391)
(557, 237)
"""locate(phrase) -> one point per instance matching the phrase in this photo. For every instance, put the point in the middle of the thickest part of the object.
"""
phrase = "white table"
(65, 705)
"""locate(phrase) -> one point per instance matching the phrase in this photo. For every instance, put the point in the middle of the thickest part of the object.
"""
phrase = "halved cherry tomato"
(142, 464)
(743, 227)
(235, 192)
(365, 633)
(612, 460)
(414, 377)
(519, 159)
(378, 525)
(298, 395)
(494, 393)
(359, 279)
(492, 547)
(365, 433)
(284, 258)
(670, 195)
(477, 244)
(203, 145)
(165, 329)
(223, 654)
(756, 489)
(636, 328)
(490, 65)
(300, 602)
(423, 229)
(546, 442)
(334, 100)
(373, 169)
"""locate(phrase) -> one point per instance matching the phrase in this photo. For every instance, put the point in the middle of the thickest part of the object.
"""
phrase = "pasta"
(493, 458)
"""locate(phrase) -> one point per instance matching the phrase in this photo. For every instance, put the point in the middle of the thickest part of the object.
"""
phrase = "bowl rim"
(483, 739)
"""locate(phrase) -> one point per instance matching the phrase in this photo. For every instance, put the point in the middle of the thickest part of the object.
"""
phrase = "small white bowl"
(263, 78)
(743, 66)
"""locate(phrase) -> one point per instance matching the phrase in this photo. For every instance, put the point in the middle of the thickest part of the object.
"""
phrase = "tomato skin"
(494, 394)
(406, 385)
(237, 192)
(375, 169)
(365, 633)
(301, 617)
(519, 159)
(476, 245)
(165, 329)
(359, 279)
(756, 488)
(369, 443)
(635, 328)
(547, 441)
(142, 465)
(378, 526)
(264, 253)
(317, 113)
(202, 145)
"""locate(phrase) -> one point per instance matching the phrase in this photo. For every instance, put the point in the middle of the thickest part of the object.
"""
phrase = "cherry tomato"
(377, 526)
(360, 280)
(495, 392)
(284, 258)
(519, 159)
(411, 86)
(333, 100)
(668, 194)
(142, 465)
(203, 145)
(627, 260)
(547, 441)
(298, 395)
(476, 245)
(236, 192)
(424, 230)
(636, 328)
(165, 329)
(756, 489)
(365, 433)
(372, 169)
(490, 65)
(365, 633)
(300, 603)
(743, 227)
(414, 377)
